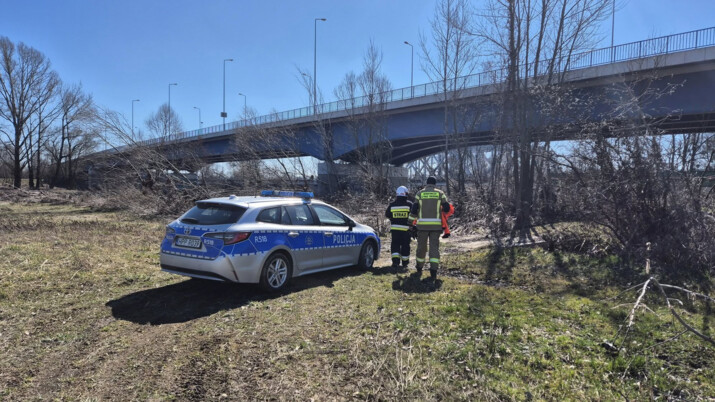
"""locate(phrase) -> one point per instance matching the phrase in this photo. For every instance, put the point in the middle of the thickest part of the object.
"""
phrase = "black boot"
(395, 263)
(433, 274)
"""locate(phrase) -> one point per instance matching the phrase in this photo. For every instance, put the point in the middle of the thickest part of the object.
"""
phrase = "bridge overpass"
(414, 116)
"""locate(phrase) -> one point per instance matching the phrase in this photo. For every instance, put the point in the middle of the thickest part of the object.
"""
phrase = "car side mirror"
(351, 224)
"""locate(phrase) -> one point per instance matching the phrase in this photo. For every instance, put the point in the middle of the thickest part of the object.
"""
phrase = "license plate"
(188, 242)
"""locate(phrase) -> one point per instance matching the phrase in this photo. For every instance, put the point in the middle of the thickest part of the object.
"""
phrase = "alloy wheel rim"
(369, 256)
(277, 273)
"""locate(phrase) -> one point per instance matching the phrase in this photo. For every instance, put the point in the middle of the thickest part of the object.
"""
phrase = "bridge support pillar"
(350, 176)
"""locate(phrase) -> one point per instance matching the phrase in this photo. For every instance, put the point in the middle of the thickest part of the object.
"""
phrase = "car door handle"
(293, 234)
(328, 234)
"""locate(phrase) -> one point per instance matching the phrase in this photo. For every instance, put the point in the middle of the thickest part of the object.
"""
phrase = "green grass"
(85, 313)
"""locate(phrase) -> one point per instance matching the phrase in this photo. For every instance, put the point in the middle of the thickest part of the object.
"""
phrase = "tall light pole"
(169, 113)
(244, 104)
(200, 122)
(315, 61)
(133, 100)
(223, 114)
(613, 20)
(412, 69)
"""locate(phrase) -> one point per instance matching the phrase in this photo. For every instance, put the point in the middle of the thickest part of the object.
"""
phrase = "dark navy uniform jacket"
(398, 212)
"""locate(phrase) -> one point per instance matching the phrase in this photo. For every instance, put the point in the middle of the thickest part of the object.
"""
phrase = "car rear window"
(208, 213)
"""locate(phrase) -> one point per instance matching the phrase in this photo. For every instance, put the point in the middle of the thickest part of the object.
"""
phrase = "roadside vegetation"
(85, 313)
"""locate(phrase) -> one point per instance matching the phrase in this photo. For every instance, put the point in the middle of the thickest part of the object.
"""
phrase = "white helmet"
(401, 191)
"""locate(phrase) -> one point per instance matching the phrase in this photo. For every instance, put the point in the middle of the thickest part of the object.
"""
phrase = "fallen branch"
(690, 292)
(640, 305)
(632, 315)
(627, 290)
(677, 316)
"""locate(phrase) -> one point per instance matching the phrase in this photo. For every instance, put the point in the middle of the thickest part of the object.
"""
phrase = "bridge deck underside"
(685, 104)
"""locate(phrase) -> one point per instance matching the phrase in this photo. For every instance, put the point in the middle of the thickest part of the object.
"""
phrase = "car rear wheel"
(367, 256)
(276, 272)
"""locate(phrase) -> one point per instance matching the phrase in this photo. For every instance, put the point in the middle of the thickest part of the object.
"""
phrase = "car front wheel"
(367, 256)
(276, 272)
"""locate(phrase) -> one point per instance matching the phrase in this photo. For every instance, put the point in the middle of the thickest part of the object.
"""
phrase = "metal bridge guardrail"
(628, 51)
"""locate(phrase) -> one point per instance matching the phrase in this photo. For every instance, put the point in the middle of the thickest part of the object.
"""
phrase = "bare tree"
(27, 83)
(76, 109)
(164, 123)
(279, 145)
(38, 137)
(364, 98)
(148, 178)
(450, 53)
(536, 41)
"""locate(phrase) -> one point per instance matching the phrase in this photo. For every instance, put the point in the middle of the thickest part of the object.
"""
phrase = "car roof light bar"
(279, 193)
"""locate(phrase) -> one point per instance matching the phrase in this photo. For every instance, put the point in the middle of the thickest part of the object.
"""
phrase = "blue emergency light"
(278, 193)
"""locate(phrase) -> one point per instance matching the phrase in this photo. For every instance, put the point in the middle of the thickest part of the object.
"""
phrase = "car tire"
(276, 273)
(367, 255)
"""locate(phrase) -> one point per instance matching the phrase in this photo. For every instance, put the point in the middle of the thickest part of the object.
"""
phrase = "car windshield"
(209, 213)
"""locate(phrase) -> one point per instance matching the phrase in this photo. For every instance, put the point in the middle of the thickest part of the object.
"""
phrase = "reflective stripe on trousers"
(423, 237)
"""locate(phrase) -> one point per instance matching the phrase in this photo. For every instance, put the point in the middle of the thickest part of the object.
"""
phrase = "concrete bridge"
(414, 116)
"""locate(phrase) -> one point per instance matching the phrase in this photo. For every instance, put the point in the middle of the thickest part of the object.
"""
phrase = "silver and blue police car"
(267, 240)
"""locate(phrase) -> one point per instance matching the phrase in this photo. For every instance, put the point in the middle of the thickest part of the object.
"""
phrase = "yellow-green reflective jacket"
(428, 208)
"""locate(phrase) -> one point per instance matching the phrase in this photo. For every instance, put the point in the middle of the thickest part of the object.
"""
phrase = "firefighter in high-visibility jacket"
(427, 210)
(398, 212)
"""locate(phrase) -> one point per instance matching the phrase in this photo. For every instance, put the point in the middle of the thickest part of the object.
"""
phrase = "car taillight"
(229, 237)
(235, 237)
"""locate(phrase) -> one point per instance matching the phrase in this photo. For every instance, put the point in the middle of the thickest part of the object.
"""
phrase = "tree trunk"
(58, 162)
(38, 153)
(30, 165)
(17, 168)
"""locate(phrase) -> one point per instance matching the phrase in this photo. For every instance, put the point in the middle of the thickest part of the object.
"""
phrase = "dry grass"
(85, 313)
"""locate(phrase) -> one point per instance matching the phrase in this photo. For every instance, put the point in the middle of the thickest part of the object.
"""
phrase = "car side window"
(300, 214)
(329, 216)
(270, 215)
(285, 220)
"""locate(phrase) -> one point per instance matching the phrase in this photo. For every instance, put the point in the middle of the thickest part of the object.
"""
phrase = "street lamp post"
(200, 122)
(613, 28)
(613, 20)
(223, 114)
(315, 61)
(133, 100)
(244, 104)
(169, 111)
(412, 69)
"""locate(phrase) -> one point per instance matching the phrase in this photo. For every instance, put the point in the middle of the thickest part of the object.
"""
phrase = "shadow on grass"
(196, 298)
(414, 283)
(499, 269)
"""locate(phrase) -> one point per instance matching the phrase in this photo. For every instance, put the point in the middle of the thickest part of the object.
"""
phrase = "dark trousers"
(400, 247)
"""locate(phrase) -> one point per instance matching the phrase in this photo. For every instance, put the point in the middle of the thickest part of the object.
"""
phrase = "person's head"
(431, 181)
(401, 191)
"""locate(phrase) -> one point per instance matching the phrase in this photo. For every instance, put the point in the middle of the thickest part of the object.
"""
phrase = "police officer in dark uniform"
(398, 212)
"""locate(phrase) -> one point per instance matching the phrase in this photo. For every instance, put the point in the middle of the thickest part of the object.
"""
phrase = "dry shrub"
(365, 208)
(576, 238)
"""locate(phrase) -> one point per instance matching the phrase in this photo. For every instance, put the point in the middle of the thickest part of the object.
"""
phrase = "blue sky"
(132, 49)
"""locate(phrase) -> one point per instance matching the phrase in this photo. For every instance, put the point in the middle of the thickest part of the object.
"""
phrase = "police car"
(268, 239)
